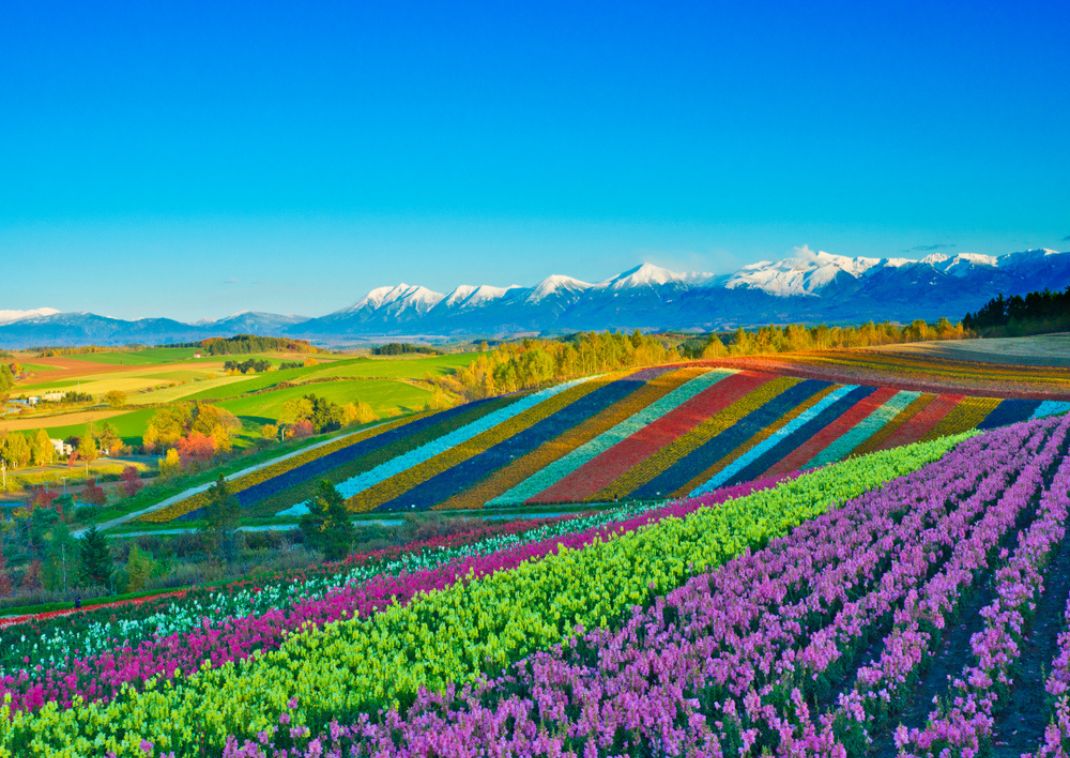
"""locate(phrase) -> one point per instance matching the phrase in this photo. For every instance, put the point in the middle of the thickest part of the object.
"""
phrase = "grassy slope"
(381, 382)
(387, 397)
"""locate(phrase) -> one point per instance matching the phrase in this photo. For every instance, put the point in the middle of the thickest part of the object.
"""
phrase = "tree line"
(1034, 313)
(531, 363)
(404, 348)
(251, 343)
(798, 337)
(513, 366)
(256, 365)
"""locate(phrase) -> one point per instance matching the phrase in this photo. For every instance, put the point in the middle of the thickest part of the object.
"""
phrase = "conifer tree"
(95, 560)
(327, 526)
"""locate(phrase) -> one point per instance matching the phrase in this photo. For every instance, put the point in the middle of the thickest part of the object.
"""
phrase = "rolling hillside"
(668, 431)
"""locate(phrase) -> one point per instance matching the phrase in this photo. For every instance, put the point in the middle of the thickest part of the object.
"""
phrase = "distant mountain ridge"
(808, 286)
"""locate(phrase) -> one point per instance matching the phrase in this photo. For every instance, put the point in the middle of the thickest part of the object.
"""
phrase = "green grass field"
(156, 376)
(149, 356)
(387, 397)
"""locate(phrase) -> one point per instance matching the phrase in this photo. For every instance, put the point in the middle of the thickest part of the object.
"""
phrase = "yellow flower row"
(449, 635)
(970, 412)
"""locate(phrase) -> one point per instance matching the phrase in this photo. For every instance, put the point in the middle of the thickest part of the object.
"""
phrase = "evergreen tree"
(222, 515)
(327, 526)
(95, 561)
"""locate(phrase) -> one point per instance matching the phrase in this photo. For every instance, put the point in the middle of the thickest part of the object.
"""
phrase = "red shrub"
(196, 447)
(131, 483)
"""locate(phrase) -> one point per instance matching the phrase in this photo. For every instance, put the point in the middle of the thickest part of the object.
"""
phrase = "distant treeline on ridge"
(251, 343)
(404, 348)
(530, 363)
(1034, 313)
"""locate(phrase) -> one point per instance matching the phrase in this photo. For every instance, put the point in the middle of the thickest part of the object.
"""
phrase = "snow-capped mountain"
(11, 316)
(809, 286)
(475, 296)
(557, 286)
(398, 299)
(649, 275)
(805, 273)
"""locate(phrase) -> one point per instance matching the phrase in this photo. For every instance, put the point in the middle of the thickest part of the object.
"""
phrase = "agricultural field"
(699, 558)
(872, 605)
(153, 377)
(912, 367)
(652, 434)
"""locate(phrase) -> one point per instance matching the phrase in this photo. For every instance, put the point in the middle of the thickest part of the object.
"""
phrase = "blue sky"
(196, 159)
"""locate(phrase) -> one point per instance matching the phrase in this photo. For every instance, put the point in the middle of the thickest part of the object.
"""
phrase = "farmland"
(156, 376)
(835, 554)
(670, 431)
(1038, 350)
(427, 648)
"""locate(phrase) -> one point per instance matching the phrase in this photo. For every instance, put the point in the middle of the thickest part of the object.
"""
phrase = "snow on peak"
(11, 316)
(1026, 255)
(944, 262)
(471, 296)
(403, 295)
(804, 273)
(647, 275)
(556, 283)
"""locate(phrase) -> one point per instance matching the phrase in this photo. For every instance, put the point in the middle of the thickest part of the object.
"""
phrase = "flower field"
(670, 431)
(908, 601)
(283, 660)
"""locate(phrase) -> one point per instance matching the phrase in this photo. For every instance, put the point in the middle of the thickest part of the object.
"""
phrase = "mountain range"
(807, 287)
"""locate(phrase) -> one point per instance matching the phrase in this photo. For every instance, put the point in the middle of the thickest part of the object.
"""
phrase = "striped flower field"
(659, 433)
(192, 675)
(907, 602)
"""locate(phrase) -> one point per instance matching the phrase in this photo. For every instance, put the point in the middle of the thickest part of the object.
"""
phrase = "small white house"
(52, 397)
(62, 449)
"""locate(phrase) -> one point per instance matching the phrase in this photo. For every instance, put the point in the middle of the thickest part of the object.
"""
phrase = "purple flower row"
(1057, 735)
(885, 685)
(698, 671)
(781, 710)
(965, 725)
